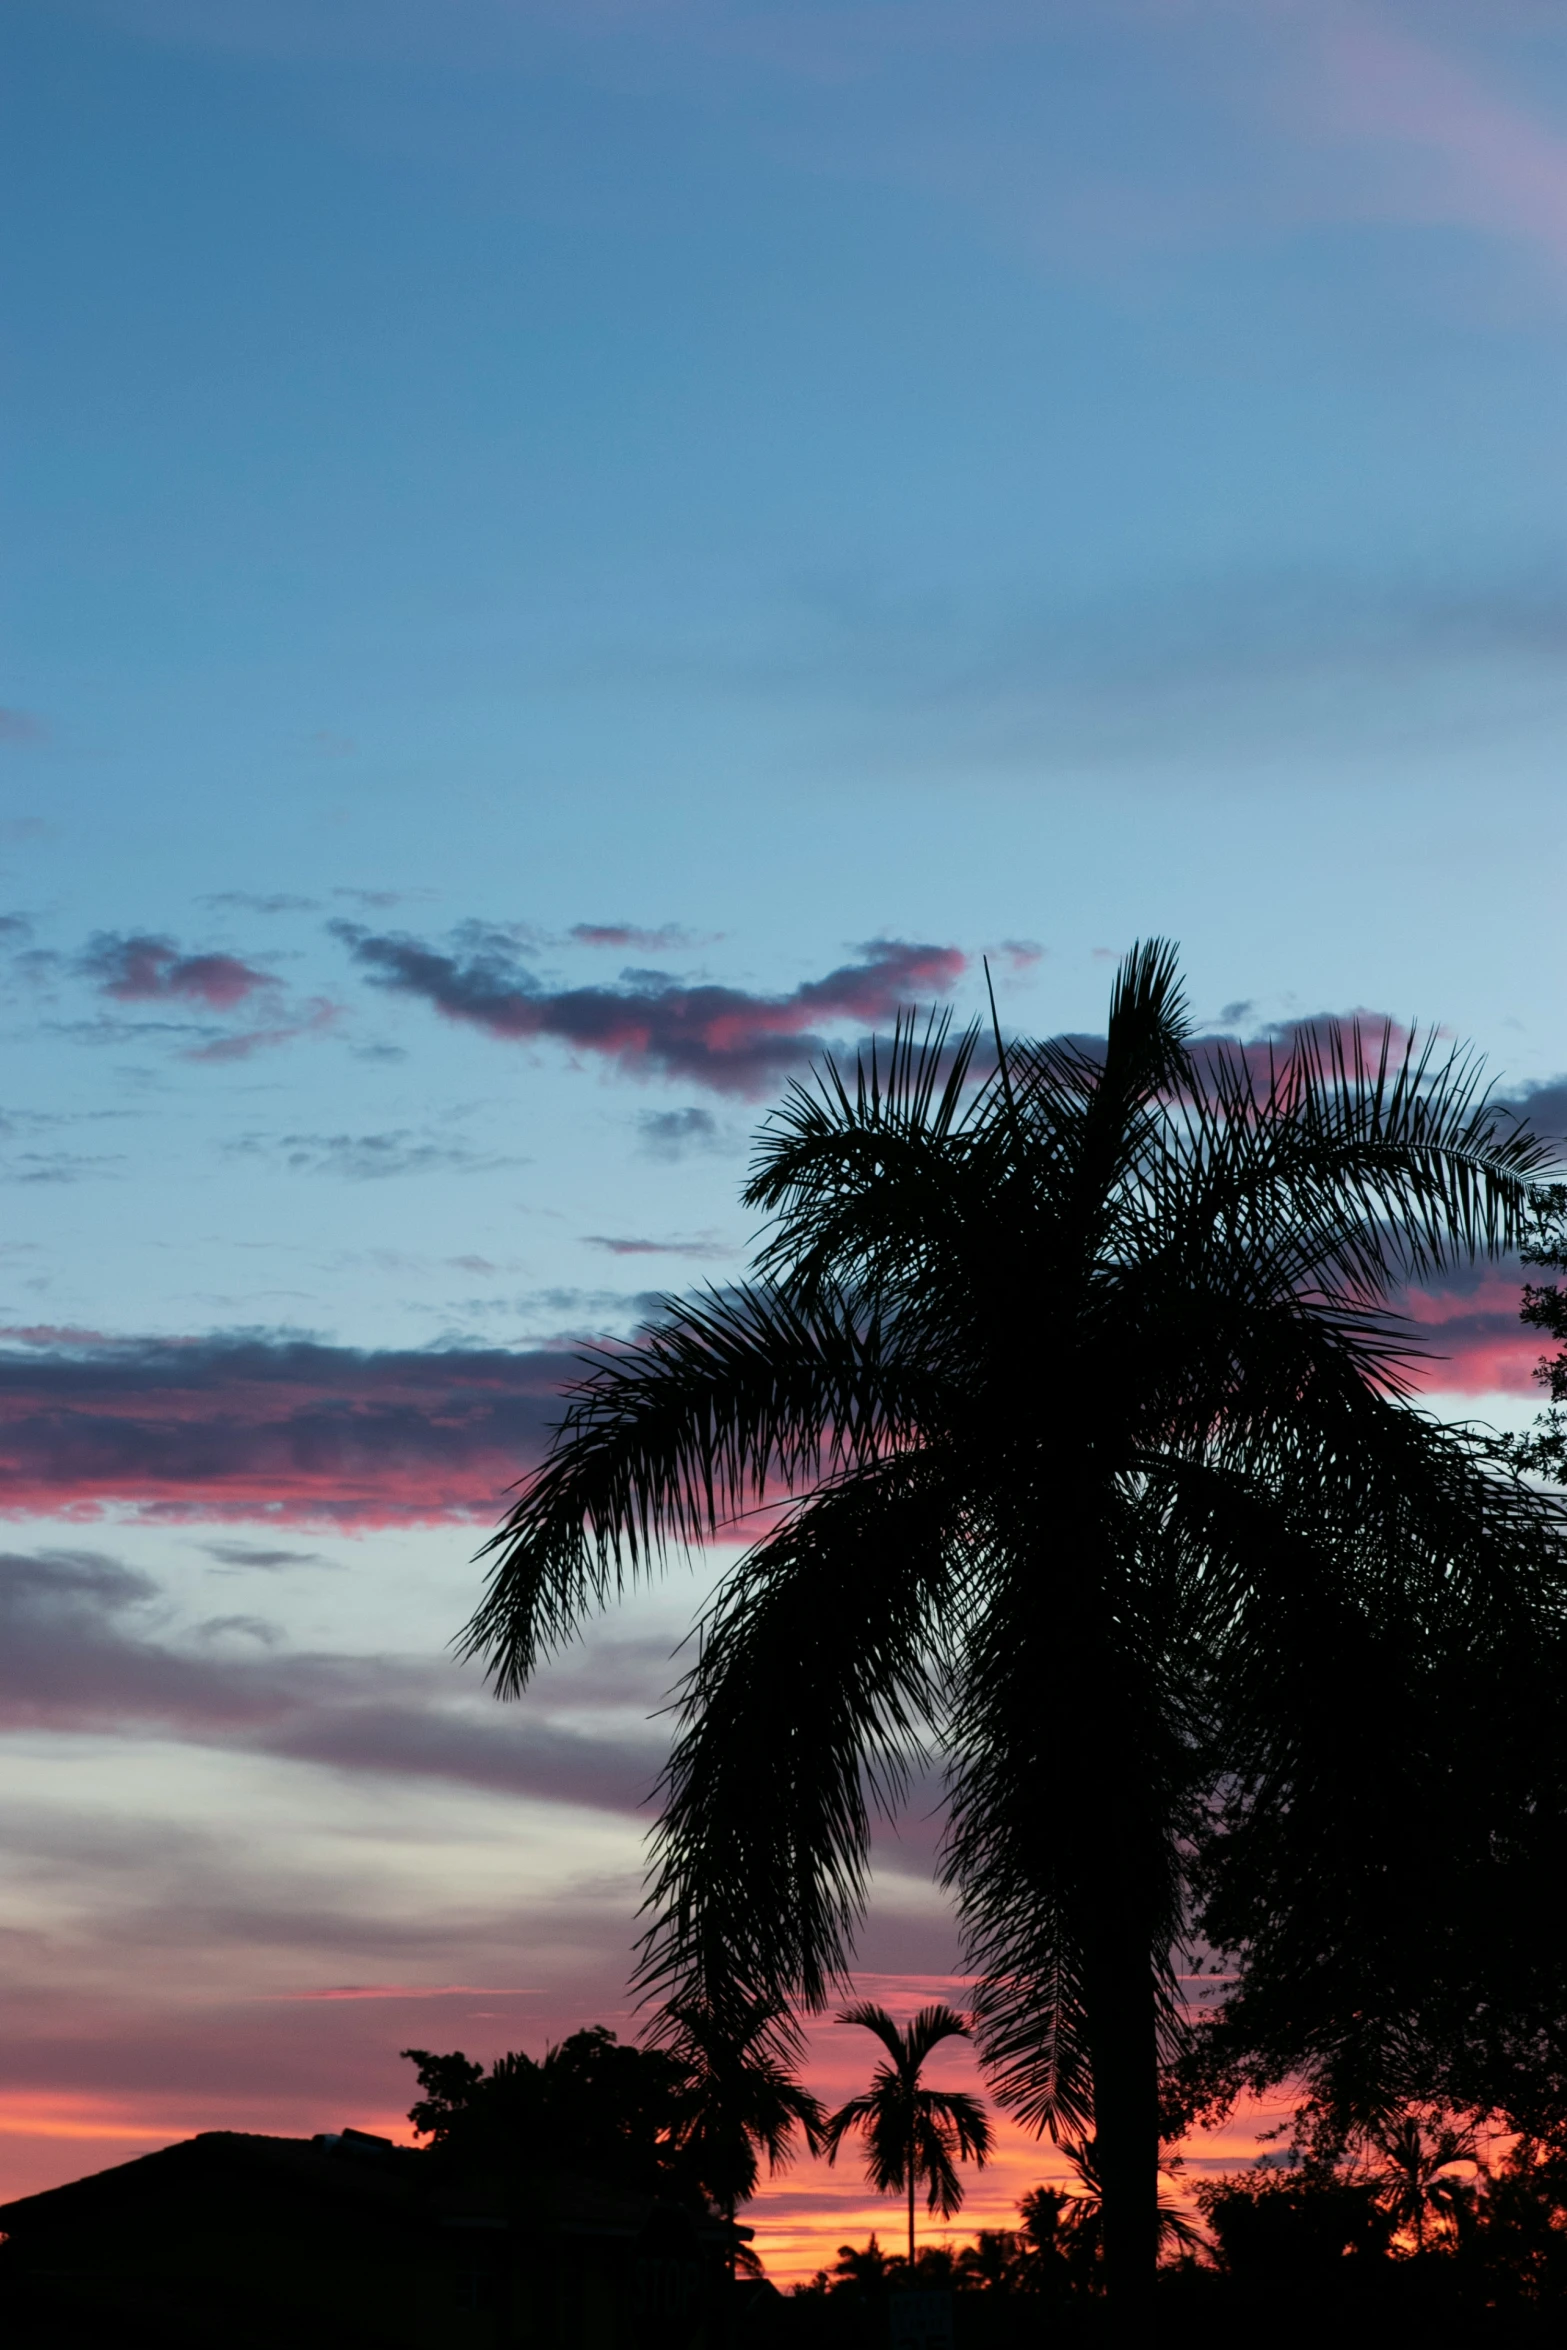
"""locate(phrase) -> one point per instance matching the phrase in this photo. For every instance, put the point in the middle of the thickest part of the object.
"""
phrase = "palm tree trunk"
(911, 2190)
(1123, 2047)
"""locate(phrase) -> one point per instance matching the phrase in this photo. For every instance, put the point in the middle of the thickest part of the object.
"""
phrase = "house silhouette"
(257, 2243)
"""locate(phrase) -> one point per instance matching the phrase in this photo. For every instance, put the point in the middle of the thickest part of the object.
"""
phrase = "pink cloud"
(316, 1016)
(662, 941)
(415, 1991)
(723, 1037)
(1473, 1341)
(138, 969)
(280, 1432)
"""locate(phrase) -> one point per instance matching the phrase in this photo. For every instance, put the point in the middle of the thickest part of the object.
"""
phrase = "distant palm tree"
(992, 2262)
(1415, 2175)
(740, 2103)
(865, 2271)
(912, 2133)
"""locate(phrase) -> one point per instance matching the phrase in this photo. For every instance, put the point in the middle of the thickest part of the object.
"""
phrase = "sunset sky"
(561, 556)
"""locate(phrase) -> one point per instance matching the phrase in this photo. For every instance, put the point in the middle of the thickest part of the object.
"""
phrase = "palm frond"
(725, 1399)
(871, 2018)
(790, 1733)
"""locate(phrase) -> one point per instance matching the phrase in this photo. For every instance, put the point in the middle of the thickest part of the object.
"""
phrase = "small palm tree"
(1414, 2173)
(1082, 2216)
(741, 2102)
(865, 2272)
(910, 2132)
(990, 2264)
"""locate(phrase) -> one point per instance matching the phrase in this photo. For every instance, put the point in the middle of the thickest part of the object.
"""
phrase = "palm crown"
(1081, 1428)
(912, 2133)
(740, 2103)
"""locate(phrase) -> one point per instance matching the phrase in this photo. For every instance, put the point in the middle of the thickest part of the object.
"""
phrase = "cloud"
(252, 1554)
(664, 940)
(141, 969)
(1465, 1335)
(1492, 163)
(677, 1134)
(365, 1158)
(722, 1037)
(380, 901)
(312, 1020)
(655, 1248)
(20, 726)
(82, 1647)
(54, 1166)
(272, 902)
(1470, 1336)
(415, 1991)
(1019, 955)
(271, 1429)
(1543, 1104)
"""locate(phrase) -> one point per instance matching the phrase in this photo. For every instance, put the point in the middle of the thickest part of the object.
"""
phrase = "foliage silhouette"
(912, 2133)
(690, 2117)
(1079, 1415)
(1286, 2223)
(1082, 2215)
(738, 2101)
(1415, 2175)
(592, 2103)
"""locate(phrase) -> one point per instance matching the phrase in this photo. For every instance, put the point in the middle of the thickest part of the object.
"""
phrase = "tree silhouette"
(864, 2271)
(1414, 2172)
(991, 2264)
(1080, 2217)
(739, 2102)
(1076, 1405)
(590, 2102)
(912, 2133)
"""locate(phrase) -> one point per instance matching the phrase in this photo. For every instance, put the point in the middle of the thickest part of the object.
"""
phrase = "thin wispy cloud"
(371, 1158)
(668, 939)
(1491, 160)
(625, 1246)
(245, 901)
(680, 1134)
(83, 1647)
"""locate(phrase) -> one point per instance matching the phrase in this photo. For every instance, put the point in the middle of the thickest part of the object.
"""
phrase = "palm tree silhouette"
(1081, 1428)
(1415, 2175)
(912, 2133)
(740, 2103)
(1082, 2215)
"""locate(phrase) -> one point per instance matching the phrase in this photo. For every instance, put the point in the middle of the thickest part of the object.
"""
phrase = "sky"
(558, 562)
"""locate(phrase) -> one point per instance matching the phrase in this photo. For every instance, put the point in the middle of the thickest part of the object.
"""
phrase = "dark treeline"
(1073, 1410)
(1417, 2223)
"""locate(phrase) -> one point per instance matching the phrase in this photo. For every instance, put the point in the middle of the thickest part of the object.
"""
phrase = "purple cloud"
(273, 1430)
(722, 1037)
(626, 935)
(633, 1246)
(140, 969)
(80, 1650)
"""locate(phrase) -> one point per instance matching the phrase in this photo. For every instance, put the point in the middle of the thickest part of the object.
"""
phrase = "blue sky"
(813, 493)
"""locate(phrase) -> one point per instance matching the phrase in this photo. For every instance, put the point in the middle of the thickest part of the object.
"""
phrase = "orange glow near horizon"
(803, 2215)
(800, 2217)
